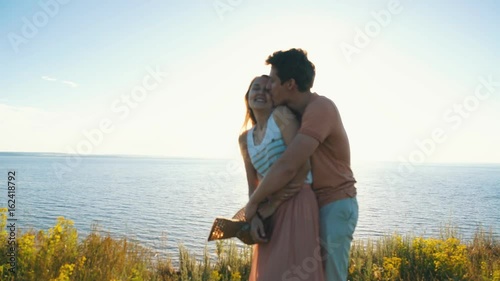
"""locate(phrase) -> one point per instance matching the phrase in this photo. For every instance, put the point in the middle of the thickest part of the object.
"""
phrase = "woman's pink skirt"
(294, 251)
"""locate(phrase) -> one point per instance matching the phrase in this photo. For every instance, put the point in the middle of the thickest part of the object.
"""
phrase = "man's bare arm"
(290, 166)
(286, 167)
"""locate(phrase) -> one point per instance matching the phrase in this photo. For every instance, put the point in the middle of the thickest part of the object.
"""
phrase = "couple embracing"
(297, 160)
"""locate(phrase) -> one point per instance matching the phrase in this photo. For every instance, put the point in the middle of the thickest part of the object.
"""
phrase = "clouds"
(65, 82)
(48, 78)
(393, 93)
(70, 83)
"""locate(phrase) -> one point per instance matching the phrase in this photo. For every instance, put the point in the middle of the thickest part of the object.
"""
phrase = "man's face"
(278, 91)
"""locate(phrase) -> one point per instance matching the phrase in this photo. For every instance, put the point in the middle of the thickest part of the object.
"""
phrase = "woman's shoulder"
(283, 115)
(243, 138)
(281, 109)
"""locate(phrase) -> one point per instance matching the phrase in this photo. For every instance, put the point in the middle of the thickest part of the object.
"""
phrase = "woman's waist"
(291, 190)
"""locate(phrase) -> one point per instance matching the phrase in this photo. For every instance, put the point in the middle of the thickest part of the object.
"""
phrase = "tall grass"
(399, 257)
(58, 254)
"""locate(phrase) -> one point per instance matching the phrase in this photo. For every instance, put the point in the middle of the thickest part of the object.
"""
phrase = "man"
(322, 139)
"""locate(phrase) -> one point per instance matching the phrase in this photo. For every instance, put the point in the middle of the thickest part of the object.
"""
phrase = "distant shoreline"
(139, 156)
(135, 156)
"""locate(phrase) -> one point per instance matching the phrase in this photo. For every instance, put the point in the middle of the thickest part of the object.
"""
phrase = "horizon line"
(19, 153)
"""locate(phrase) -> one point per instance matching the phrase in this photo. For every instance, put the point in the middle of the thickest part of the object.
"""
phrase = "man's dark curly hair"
(293, 64)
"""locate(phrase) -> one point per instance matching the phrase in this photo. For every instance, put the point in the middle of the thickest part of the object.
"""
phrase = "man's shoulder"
(321, 103)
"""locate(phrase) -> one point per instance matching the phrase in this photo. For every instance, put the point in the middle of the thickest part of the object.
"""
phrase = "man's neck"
(300, 102)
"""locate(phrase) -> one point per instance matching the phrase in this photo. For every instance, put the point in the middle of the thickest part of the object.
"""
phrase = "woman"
(292, 251)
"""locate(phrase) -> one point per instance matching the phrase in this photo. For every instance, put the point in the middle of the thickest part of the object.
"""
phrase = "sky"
(415, 81)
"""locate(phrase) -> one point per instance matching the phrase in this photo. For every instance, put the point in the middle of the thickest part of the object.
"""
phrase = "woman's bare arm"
(252, 178)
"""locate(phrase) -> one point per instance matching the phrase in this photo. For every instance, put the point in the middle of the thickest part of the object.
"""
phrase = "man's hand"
(286, 193)
(257, 230)
(266, 209)
(250, 210)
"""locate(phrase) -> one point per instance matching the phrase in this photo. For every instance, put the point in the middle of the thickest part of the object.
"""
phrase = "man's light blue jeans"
(337, 223)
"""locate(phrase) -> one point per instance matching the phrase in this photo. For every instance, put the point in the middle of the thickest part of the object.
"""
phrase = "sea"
(165, 202)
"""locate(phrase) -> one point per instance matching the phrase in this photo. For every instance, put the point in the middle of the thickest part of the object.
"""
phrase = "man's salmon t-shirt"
(330, 163)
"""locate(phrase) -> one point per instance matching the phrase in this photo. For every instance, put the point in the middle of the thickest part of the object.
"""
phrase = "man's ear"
(291, 84)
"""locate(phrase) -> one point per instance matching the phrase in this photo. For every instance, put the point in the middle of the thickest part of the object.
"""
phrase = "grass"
(399, 257)
(58, 254)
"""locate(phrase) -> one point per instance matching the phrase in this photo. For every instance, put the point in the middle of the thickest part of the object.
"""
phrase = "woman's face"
(258, 97)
